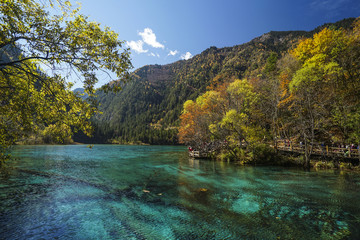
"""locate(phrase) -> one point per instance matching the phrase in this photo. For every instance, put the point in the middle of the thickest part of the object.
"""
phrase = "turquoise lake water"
(157, 192)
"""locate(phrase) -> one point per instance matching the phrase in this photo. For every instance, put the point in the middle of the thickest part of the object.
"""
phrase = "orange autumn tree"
(227, 118)
(311, 94)
(196, 118)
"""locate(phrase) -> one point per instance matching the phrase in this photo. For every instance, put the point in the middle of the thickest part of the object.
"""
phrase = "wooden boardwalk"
(320, 150)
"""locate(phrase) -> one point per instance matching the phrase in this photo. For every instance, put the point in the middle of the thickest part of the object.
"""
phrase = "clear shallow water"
(73, 192)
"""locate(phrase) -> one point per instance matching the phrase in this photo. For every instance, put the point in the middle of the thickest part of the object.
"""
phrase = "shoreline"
(284, 160)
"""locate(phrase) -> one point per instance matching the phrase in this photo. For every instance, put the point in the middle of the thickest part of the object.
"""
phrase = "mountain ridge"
(148, 107)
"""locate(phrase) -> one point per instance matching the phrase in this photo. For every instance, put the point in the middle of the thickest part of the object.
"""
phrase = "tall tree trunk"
(306, 154)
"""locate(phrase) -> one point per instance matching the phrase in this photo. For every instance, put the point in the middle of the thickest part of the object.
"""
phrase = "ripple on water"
(99, 194)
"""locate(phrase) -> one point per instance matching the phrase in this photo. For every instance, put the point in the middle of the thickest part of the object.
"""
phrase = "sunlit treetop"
(65, 44)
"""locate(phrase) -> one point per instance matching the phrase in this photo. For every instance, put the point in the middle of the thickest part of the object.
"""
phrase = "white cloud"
(186, 56)
(149, 37)
(154, 55)
(137, 46)
(173, 53)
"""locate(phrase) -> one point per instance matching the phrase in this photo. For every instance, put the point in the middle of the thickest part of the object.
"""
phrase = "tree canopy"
(41, 54)
(309, 94)
(67, 40)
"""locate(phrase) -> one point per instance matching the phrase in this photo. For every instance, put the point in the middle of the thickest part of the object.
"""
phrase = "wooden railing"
(291, 147)
(319, 149)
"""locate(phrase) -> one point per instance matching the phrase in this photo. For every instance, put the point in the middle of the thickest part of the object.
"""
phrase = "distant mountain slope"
(148, 107)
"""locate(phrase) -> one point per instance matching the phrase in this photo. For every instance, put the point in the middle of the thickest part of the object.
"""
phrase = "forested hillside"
(147, 110)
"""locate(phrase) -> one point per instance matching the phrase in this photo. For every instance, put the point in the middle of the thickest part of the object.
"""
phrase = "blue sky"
(165, 31)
